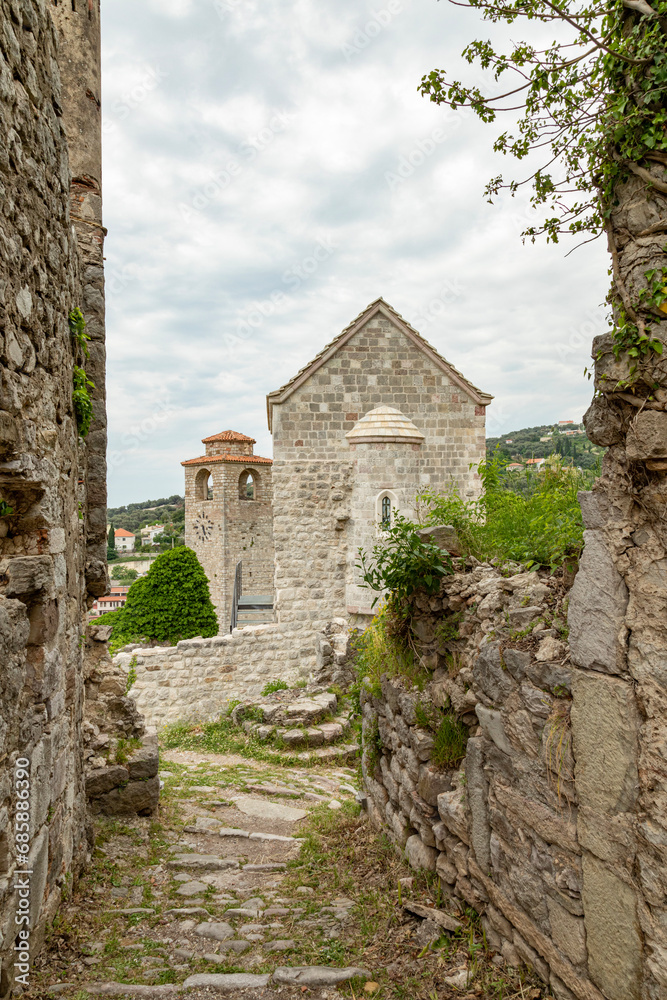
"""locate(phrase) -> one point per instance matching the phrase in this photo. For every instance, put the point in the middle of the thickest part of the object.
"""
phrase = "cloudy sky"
(242, 135)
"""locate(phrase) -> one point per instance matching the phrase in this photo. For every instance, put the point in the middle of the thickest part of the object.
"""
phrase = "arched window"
(386, 508)
(386, 512)
(203, 485)
(248, 485)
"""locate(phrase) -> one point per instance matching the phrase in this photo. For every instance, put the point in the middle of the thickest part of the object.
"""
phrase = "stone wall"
(536, 826)
(43, 542)
(196, 679)
(52, 529)
(325, 490)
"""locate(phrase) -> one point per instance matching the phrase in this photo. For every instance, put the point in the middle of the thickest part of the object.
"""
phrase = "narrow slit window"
(386, 512)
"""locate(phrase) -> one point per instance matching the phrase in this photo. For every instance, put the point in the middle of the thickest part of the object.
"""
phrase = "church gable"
(388, 346)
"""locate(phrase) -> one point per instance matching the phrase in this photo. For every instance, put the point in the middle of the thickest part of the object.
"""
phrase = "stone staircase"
(255, 610)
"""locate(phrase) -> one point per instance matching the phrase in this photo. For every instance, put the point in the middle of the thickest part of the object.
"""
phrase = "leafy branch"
(402, 563)
(593, 107)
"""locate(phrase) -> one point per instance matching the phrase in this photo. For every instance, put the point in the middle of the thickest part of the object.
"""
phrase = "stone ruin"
(62, 703)
(539, 824)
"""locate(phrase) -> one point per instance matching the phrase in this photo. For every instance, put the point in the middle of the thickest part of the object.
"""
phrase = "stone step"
(254, 618)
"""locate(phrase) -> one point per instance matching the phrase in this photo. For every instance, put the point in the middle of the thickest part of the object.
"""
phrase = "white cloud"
(238, 134)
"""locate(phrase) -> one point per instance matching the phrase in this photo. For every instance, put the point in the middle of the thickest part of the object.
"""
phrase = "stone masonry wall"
(52, 483)
(534, 827)
(196, 679)
(43, 542)
(316, 522)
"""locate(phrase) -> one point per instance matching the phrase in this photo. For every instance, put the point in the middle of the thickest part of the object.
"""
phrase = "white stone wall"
(196, 679)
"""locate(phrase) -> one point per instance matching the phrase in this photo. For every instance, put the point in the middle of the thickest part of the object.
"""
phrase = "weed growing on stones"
(273, 686)
(449, 742)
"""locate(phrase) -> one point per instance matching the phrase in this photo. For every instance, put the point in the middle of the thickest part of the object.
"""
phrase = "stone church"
(376, 417)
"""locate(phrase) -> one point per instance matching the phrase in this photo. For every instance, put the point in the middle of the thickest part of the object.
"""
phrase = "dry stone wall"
(537, 826)
(196, 679)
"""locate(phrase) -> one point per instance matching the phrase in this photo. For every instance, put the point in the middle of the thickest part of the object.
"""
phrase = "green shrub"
(450, 742)
(273, 686)
(402, 563)
(384, 648)
(541, 527)
(172, 602)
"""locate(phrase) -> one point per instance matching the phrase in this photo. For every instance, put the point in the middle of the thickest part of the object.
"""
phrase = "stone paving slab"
(268, 810)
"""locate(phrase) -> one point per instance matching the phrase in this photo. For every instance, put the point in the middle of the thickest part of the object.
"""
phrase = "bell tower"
(229, 517)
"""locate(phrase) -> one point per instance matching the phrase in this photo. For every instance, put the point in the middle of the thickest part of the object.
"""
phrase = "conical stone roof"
(384, 425)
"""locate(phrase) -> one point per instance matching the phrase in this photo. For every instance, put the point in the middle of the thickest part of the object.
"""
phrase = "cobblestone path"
(261, 881)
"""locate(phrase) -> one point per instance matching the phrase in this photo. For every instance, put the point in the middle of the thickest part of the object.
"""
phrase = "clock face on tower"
(203, 527)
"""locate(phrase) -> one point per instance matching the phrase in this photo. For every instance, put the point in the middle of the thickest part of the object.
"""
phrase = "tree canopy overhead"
(592, 112)
(593, 106)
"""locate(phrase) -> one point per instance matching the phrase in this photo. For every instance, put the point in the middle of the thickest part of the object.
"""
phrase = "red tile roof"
(229, 436)
(122, 533)
(243, 459)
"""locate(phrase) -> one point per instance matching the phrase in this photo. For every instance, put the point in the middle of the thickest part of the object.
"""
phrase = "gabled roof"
(244, 459)
(122, 533)
(382, 307)
(229, 436)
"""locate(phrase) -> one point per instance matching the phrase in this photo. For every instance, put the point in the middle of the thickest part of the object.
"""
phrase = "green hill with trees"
(575, 449)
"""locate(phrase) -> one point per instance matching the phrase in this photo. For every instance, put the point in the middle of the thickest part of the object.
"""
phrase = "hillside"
(518, 446)
(168, 510)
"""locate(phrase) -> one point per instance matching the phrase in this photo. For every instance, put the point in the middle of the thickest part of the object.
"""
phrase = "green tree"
(172, 602)
(593, 116)
(111, 541)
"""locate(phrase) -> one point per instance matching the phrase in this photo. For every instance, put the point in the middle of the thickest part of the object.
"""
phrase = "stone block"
(492, 725)
(517, 662)
(613, 935)
(598, 604)
(26, 575)
(144, 762)
(422, 743)
(431, 783)
(419, 855)
(478, 793)
(452, 810)
(444, 536)
(551, 677)
(568, 932)
(101, 780)
(496, 682)
(603, 423)
(605, 725)
(647, 436)
(137, 797)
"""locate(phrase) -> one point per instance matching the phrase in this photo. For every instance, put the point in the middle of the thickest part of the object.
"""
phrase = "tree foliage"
(540, 526)
(172, 602)
(591, 105)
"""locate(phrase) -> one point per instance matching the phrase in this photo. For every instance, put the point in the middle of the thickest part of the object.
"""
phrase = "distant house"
(124, 540)
(514, 467)
(509, 441)
(112, 602)
(538, 462)
(150, 533)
